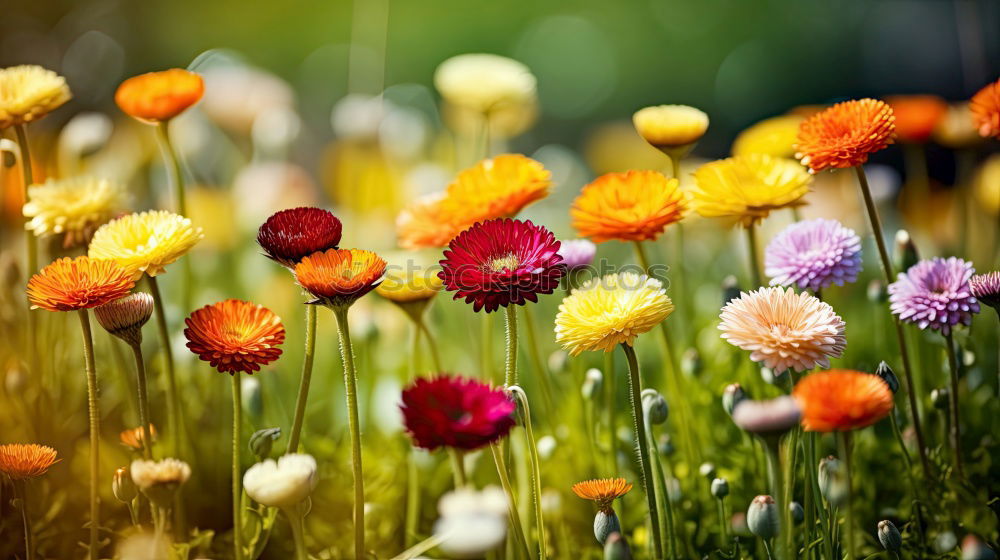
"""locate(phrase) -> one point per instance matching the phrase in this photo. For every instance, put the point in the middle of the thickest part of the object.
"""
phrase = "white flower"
(284, 483)
(485, 82)
(147, 474)
(471, 522)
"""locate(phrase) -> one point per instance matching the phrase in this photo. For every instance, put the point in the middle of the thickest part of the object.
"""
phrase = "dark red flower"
(452, 411)
(500, 262)
(289, 235)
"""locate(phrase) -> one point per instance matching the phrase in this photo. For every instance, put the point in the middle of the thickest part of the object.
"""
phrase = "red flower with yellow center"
(630, 206)
(290, 235)
(839, 400)
(338, 277)
(602, 491)
(985, 106)
(916, 116)
(157, 97)
(20, 461)
(81, 283)
(845, 135)
(235, 336)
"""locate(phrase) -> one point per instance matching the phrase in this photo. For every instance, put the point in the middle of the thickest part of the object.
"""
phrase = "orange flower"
(603, 491)
(235, 336)
(133, 437)
(985, 107)
(629, 206)
(430, 222)
(845, 135)
(159, 96)
(917, 116)
(81, 283)
(338, 277)
(839, 400)
(20, 461)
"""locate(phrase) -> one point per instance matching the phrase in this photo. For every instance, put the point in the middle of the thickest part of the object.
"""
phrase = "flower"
(158, 480)
(602, 491)
(985, 105)
(73, 207)
(747, 188)
(774, 136)
(290, 235)
(235, 336)
(145, 242)
(133, 437)
(281, 484)
(813, 254)
(159, 96)
(605, 312)
(501, 262)
(484, 82)
(840, 400)
(20, 461)
(956, 129)
(629, 206)
(916, 116)
(845, 135)
(784, 330)
(81, 283)
(403, 287)
(986, 288)
(124, 317)
(456, 412)
(670, 127)
(429, 222)
(766, 418)
(28, 93)
(338, 277)
(472, 522)
(577, 253)
(935, 293)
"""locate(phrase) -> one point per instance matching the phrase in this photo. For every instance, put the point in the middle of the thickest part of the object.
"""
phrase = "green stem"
(609, 405)
(31, 242)
(536, 472)
(675, 165)
(175, 174)
(662, 498)
(173, 403)
(776, 478)
(458, 467)
(956, 434)
(844, 442)
(486, 344)
(812, 468)
(767, 549)
(510, 370)
(432, 344)
(412, 498)
(237, 476)
(753, 253)
(538, 364)
(307, 367)
(21, 491)
(297, 522)
(515, 517)
(350, 383)
(95, 430)
(723, 522)
(143, 398)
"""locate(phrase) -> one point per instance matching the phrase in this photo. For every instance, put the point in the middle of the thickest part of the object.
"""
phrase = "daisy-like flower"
(484, 82)
(670, 127)
(455, 412)
(813, 254)
(21, 461)
(124, 317)
(602, 491)
(282, 483)
(28, 93)
(72, 207)
(502, 262)
(160, 479)
(338, 277)
(133, 437)
(747, 188)
(784, 330)
(235, 336)
(157, 97)
(605, 312)
(145, 242)
(577, 253)
(916, 116)
(985, 107)
(935, 293)
(81, 283)
(986, 288)
(630, 206)
(289, 236)
(845, 135)
(774, 136)
(840, 400)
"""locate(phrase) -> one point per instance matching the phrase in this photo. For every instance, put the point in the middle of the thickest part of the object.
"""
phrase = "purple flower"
(986, 288)
(935, 294)
(813, 254)
(577, 253)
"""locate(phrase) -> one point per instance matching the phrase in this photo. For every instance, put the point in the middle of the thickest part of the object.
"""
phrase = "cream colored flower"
(485, 82)
(147, 474)
(282, 483)
(28, 93)
(670, 126)
(73, 207)
(472, 522)
(145, 242)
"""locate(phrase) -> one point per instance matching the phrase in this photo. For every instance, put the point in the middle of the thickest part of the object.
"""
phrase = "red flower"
(235, 336)
(289, 235)
(452, 411)
(503, 261)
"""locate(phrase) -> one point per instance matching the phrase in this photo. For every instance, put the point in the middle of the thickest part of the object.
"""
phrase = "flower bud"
(945, 542)
(123, 487)
(124, 317)
(720, 488)
(665, 445)
(707, 470)
(730, 289)
(616, 548)
(253, 401)
(262, 440)
(832, 480)
(885, 372)
(762, 517)
(691, 362)
(557, 361)
(606, 523)
(592, 383)
(939, 398)
(771, 378)
(654, 406)
(905, 254)
(732, 396)
(973, 548)
(876, 291)
(889, 536)
(546, 446)
(797, 513)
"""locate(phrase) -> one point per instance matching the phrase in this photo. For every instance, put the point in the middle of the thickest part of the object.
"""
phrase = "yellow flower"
(775, 136)
(28, 93)
(402, 287)
(485, 82)
(987, 185)
(605, 312)
(748, 187)
(145, 242)
(74, 207)
(670, 127)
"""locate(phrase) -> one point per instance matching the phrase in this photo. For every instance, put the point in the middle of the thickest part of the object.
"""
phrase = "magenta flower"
(577, 253)
(986, 288)
(935, 294)
(496, 263)
(813, 254)
(452, 411)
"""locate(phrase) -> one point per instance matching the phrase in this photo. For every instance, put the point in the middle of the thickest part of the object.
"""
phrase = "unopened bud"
(889, 536)
(762, 517)
(262, 440)
(616, 548)
(886, 374)
(592, 383)
(654, 406)
(832, 480)
(939, 398)
(605, 523)
(797, 513)
(665, 445)
(945, 542)
(123, 487)
(691, 362)
(707, 470)
(973, 548)
(253, 401)
(732, 396)
(876, 291)
(905, 254)
(720, 488)
(730, 289)
(557, 361)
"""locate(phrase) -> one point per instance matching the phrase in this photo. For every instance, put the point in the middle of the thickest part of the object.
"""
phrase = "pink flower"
(452, 411)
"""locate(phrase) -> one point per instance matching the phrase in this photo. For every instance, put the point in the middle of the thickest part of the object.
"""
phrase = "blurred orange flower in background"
(159, 96)
(81, 283)
(840, 400)
(629, 206)
(916, 116)
(986, 110)
(845, 135)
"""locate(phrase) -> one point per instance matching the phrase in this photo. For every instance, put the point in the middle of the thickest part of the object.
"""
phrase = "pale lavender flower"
(775, 416)
(935, 293)
(577, 253)
(813, 254)
(986, 288)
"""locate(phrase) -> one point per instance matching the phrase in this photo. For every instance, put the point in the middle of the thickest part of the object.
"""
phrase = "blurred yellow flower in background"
(214, 209)
(485, 82)
(28, 93)
(74, 207)
(145, 242)
(671, 127)
(747, 188)
(987, 185)
(956, 129)
(405, 287)
(774, 136)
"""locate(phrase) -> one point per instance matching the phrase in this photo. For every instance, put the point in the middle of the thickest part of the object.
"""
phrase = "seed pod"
(654, 406)
(939, 398)
(707, 470)
(876, 291)
(123, 487)
(763, 518)
(262, 440)
(973, 548)
(832, 480)
(616, 548)
(905, 255)
(795, 510)
(889, 536)
(606, 523)
(730, 289)
(732, 396)
(720, 488)
(885, 372)
(945, 542)
(691, 362)
(665, 445)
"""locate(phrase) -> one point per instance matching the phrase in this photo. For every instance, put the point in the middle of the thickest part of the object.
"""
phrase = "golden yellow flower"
(406, 287)
(775, 136)
(484, 82)
(28, 93)
(670, 127)
(74, 207)
(145, 242)
(748, 188)
(987, 185)
(605, 312)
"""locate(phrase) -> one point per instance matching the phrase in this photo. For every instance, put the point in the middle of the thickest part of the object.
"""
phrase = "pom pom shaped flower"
(455, 412)
(986, 288)
(501, 262)
(124, 317)
(602, 491)
(28, 93)
(630, 206)
(935, 293)
(605, 312)
(157, 97)
(338, 277)
(282, 483)
(235, 336)
(133, 438)
(767, 418)
(985, 106)
(916, 116)
(290, 235)
(145, 242)
(80, 283)
(21, 461)
(73, 207)
(747, 188)
(813, 254)
(840, 400)
(484, 82)
(784, 330)
(774, 136)
(845, 135)
(577, 253)
(669, 127)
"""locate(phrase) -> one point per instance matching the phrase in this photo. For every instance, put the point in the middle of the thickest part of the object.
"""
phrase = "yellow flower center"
(506, 262)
